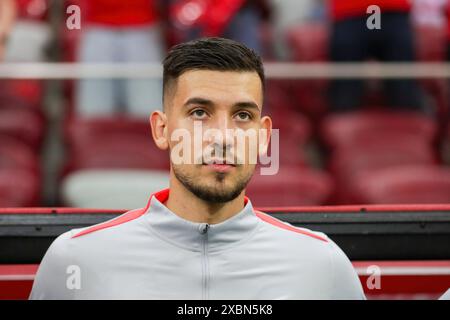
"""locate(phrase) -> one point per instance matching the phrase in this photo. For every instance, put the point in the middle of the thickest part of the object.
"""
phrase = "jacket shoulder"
(276, 223)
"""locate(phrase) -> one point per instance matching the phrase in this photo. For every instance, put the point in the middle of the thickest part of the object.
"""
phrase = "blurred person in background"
(7, 17)
(352, 41)
(240, 20)
(30, 37)
(117, 31)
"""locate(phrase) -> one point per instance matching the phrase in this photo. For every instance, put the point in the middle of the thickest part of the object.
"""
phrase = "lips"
(219, 162)
(219, 165)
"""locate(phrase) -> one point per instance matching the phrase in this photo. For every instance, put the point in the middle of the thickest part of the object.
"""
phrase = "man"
(351, 40)
(116, 31)
(240, 20)
(201, 238)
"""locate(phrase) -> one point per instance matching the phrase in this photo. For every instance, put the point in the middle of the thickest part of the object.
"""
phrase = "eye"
(243, 116)
(199, 114)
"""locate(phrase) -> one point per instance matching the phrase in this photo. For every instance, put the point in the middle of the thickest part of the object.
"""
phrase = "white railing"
(273, 70)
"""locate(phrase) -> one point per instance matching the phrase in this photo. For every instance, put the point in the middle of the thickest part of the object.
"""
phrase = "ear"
(264, 139)
(158, 124)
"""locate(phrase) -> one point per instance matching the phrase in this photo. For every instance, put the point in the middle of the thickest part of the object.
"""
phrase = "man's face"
(222, 104)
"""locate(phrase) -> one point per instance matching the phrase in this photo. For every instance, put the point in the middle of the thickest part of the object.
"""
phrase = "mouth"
(219, 165)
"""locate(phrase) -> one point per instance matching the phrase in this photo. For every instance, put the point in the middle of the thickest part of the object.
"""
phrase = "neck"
(186, 205)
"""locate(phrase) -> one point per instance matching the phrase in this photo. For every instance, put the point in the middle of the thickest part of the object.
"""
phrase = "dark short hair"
(217, 54)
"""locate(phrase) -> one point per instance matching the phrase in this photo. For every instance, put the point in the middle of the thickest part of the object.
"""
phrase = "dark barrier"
(398, 232)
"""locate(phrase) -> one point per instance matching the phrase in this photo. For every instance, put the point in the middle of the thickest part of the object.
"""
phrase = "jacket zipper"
(205, 264)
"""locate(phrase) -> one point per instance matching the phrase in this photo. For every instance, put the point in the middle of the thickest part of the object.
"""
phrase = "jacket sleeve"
(346, 284)
(52, 276)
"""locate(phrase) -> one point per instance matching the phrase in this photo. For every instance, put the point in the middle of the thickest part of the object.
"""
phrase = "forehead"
(219, 85)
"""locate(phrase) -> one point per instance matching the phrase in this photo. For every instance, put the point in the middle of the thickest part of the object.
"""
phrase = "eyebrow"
(197, 100)
(207, 102)
(247, 105)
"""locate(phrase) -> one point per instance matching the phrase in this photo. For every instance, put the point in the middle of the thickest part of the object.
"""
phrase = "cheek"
(179, 131)
(249, 149)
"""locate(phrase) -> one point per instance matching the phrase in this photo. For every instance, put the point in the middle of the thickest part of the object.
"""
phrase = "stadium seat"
(310, 97)
(113, 143)
(22, 124)
(379, 152)
(18, 188)
(276, 97)
(338, 130)
(78, 130)
(404, 185)
(291, 186)
(14, 154)
(119, 151)
(292, 124)
(291, 153)
(26, 94)
(294, 131)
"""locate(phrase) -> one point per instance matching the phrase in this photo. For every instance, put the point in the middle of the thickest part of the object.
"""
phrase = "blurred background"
(359, 123)
(359, 93)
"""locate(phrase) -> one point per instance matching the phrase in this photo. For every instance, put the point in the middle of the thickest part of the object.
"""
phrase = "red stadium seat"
(113, 143)
(22, 124)
(294, 131)
(15, 154)
(291, 124)
(18, 188)
(404, 185)
(291, 186)
(340, 130)
(78, 130)
(380, 152)
(119, 151)
(310, 96)
(291, 153)
(276, 98)
(27, 94)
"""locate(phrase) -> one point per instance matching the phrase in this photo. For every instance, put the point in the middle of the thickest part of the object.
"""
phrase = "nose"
(223, 126)
(219, 137)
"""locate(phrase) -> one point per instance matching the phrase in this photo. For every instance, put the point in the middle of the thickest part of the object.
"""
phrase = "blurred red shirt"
(119, 13)
(342, 9)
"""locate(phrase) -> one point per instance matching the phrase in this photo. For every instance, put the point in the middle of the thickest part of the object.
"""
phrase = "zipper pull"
(203, 228)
